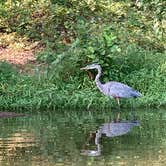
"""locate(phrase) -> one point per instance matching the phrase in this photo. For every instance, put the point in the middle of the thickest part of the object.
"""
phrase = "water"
(84, 138)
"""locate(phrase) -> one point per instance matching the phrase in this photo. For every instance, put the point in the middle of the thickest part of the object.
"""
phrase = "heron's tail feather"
(136, 94)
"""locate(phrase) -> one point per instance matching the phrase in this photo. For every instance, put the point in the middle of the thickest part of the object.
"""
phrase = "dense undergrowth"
(125, 37)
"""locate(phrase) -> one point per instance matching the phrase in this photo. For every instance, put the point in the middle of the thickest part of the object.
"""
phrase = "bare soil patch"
(19, 56)
(18, 50)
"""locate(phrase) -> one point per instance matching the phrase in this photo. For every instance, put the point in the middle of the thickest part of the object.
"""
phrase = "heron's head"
(92, 66)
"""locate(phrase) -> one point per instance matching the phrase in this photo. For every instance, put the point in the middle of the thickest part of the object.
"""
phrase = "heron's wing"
(118, 89)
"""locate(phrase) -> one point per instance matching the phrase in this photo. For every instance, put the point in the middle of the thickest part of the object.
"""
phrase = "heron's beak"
(83, 68)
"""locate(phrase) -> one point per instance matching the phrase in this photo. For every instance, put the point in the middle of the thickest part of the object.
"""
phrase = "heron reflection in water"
(111, 130)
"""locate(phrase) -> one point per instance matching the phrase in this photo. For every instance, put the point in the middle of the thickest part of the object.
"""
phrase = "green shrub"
(125, 37)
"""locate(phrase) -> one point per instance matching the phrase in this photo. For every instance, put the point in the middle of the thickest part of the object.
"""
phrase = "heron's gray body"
(118, 90)
(113, 88)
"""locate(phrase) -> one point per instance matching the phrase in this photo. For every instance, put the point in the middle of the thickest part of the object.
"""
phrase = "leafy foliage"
(125, 37)
(7, 73)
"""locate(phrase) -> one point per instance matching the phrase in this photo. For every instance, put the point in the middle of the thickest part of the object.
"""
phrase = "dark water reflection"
(60, 138)
(112, 129)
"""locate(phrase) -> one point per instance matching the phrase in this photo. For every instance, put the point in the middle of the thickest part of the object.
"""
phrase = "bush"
(125, 37)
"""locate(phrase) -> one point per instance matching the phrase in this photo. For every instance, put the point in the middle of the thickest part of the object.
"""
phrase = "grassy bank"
(126, 38)
(56, 87)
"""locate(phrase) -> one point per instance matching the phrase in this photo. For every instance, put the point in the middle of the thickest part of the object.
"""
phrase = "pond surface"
(81, 138)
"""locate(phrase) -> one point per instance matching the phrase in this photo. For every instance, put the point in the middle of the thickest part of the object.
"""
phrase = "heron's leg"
(118, 117)
(118, 101)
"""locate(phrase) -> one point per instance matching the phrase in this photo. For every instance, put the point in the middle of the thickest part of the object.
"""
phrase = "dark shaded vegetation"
(126, 37)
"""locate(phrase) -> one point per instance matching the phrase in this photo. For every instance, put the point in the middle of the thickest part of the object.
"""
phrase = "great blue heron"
(115, 89)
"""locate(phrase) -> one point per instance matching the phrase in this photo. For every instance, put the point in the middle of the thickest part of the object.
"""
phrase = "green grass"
(65, 86)
(127, 39)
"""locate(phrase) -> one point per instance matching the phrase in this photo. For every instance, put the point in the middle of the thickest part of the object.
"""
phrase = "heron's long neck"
(97, 140)
(97, 79)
